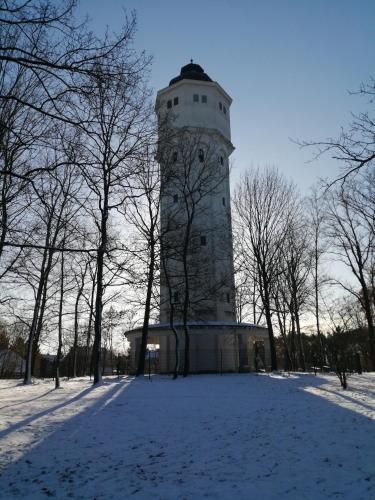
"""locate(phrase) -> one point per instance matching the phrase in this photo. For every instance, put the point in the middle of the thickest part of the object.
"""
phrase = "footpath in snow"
(248, 436)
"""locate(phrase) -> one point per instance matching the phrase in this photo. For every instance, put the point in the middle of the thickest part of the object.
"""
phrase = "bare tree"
(63, 54)
(316, 223)
(349, 230)
(21, 131)
(142, 212)
(60, 322)
(355, 147)
(265, 204)
(248, 300)
(112, 147)
(80, 279)
(57, 200)
(296, 263)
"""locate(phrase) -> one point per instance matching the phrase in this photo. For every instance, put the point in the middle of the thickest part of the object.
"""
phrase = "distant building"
(12, 365)
(195, 145)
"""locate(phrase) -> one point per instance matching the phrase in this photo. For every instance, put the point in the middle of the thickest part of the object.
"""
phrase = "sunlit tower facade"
(194, 149)
(198, 111)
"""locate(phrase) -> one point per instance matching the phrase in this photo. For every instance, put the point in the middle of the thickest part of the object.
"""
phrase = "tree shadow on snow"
(135, 438)
(27, 400)
(29, 420)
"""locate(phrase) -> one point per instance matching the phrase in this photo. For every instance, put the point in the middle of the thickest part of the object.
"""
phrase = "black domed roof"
(191, 72)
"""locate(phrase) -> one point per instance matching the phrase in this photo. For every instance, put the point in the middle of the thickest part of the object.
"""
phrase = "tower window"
(174, 156)
(176, 297)
(175, 101)
(220, 106)
(175, 198)
(196, 98)
(223, 201)
(228, 297)
(203, 241)
(221, 160)
(225, 110)
(169, 104)
(201, 155)
(204, 98)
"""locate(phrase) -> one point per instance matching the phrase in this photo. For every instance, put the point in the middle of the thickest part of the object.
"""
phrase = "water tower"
(197, 251)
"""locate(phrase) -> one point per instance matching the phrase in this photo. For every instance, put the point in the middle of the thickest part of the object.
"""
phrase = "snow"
(245, 436)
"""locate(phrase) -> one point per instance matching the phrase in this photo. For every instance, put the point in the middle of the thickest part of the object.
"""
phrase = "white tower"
(196, 166)
(197, 252)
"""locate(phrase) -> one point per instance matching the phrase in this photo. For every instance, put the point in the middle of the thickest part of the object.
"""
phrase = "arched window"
(201, 155)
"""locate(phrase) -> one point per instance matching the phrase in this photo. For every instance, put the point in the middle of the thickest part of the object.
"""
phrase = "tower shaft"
(195, 145)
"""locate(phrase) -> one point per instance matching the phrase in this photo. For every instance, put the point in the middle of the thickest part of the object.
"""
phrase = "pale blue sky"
(288, 66)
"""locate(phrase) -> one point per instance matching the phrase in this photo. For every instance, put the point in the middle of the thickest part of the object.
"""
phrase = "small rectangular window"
(174, 157)
(175, 198)
(223, 200)
(201, 155)
(221, 160)
(203, 241)
(225, 110)
(196, 98)
(220, 106)
(228, 297)
(169, 104)
(175, 101)
(204, 98)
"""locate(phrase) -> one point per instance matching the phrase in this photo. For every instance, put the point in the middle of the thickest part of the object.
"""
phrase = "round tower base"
(214, 347)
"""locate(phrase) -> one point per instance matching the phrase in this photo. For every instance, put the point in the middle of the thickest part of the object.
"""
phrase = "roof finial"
(191, 61)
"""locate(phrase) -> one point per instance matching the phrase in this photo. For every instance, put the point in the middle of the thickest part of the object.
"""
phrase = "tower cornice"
(184, 82)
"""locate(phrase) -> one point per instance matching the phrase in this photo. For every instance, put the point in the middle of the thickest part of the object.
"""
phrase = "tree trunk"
(30, 341)
(96, 354)
(281, 321)
(317, 317)
(185, 319)
(301, 356)
(76, 311)
(293, 344)
(146, 318)
(99, 291)
(89, 326)
(59, 348)
(267, 311)
(4, 215)
(171, 322)
(186, 296)
(370, 325)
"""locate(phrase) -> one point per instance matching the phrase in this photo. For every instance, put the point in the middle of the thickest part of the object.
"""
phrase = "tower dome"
(191, 71)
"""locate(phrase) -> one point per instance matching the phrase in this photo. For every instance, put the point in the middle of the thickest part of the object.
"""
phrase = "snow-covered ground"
(225, 437)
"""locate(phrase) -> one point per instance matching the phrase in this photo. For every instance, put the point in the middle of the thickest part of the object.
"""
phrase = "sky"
(288, 65)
